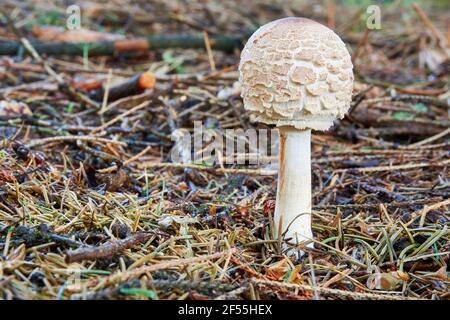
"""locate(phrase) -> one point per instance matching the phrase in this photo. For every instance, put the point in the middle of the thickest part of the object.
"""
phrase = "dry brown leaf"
(442, 273)
(278, 269)
(387, 280)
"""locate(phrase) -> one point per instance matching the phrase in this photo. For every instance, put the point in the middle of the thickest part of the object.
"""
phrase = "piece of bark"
(87, 84)
(135, 85)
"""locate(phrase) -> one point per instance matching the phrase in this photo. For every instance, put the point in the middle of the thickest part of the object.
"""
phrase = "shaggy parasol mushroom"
(297, 74)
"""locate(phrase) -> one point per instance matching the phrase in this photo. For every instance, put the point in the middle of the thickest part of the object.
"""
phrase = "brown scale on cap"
(296, 72)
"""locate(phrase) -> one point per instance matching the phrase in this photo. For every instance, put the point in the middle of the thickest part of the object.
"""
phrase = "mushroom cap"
(296, 72)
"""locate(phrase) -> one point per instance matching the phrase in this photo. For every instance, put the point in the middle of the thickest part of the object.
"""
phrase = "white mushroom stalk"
(293, 206)
(296, 74)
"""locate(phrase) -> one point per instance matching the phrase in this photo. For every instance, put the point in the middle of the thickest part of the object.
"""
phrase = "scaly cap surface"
(296, 72)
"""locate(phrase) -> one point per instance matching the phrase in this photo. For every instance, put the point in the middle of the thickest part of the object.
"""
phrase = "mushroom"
(297, 74)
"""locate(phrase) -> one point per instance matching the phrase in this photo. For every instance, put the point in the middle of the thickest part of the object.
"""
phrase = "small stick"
(436, 33)
(41, 234)
(36, 56)
(448, 34)
(401, 204)
(360, 45)
(132, 159)
(135, 85)
(134, 45)
(126, 101)
(430, 139)
(321, 290)
(106, 91)
(96, 153)
(427, 209)
(38, 142)
(218, 73)
(121, 116)
(110, 248)
(209, 51)
(422, 98)
(252, 172)
(397, 167)
(422, 92)
(233, 295)
(70, 89)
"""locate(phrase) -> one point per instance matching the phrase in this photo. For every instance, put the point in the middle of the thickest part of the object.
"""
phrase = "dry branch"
(135, 85)
(39, 235)
(328, 291)
(110, 248)
(153, 42)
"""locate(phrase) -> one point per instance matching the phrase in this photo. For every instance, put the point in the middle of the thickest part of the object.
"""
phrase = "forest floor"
(91, 207)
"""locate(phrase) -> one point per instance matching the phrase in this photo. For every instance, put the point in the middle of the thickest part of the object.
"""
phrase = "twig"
(41, 234)
(127, 162)
(401, 204)
(436, 33)
(360, 45)
(169, 165)
(397, 167)
(135, 85)
(39, 142)
(331, 14)
(430, 139)
(209, 51)
(234, 294)
(96, 153)
(121, 116)
(152, 42)
(411, 97)
(426, 209)
(110, 248)
(57, 77)
(328, 291)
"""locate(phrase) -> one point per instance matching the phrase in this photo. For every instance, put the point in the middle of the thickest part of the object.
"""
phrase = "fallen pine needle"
(124, 276)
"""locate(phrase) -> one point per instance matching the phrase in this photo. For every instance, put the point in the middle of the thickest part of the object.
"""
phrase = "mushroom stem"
(293, 205)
